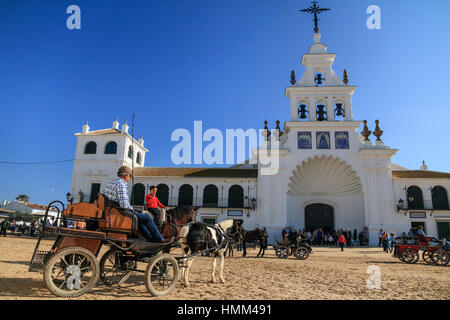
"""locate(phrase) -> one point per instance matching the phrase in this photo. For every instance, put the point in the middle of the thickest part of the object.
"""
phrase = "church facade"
(329, 176)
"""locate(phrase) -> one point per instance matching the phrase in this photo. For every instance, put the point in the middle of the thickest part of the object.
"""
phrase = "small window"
(319, 79)
(130, 152)
(209, 220)
(111, 148)
(91, 148)
(138, 158)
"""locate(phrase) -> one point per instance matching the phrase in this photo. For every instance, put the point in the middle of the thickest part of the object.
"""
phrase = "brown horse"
(236, 235)
(176, 218)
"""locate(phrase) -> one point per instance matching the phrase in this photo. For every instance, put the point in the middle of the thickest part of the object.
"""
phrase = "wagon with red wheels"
(72, 266)
(407, 249)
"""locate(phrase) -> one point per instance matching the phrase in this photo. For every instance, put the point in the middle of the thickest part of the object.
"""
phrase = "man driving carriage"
(116, 190)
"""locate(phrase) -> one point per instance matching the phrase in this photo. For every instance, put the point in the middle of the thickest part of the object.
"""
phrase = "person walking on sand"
(4, 226)
(380, 237)
(342, 241)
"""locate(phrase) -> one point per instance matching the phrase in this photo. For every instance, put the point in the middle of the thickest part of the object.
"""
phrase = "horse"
(236, 235)
(254, 236)
(198, 236)
(174, 219)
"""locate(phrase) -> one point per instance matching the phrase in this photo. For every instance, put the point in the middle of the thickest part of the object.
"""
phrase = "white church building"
(330, 176)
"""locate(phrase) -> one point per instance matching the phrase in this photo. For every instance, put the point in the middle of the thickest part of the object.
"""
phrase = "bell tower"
(319, 95)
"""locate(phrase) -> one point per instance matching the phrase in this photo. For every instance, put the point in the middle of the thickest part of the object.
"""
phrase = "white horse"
(196, 237)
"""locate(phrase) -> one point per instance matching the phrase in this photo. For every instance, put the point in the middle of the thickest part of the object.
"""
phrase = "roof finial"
(366, 132)
(377, 133)
(345, 76)
(314, 9)
(293, 77)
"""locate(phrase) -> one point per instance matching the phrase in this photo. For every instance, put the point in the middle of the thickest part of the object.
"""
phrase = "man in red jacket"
(152, 204)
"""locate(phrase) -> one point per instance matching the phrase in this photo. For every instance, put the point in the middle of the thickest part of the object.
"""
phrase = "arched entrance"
(319, 215)
(138, 194)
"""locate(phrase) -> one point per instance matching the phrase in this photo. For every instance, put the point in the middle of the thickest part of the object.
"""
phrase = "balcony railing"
(427, 205)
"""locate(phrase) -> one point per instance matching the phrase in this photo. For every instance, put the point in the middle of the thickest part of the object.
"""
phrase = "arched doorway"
(319, 215)
(138, 195)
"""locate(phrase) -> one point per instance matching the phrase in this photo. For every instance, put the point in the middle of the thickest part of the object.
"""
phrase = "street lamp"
(400, 205)
(69, 198)
(253, 204)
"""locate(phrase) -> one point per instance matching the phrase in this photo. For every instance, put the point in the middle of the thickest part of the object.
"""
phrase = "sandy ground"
(326, 274)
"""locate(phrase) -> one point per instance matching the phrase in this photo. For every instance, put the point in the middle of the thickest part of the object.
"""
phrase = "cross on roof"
(314, 9)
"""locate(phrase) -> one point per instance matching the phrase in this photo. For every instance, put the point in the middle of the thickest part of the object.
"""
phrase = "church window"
(130, 152)
(162, 193)
(319, 79)
(302, 111)
(236, 197)
(138, 194)
(321, 112)
(210, 196)
(185, 195)
(339, 112)
(111, 148)
(415, 198)
(138, 158)
(91, 148)
(322, 140)
(439, 198)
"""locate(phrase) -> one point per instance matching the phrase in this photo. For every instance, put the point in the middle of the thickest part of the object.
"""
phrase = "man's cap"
(125, 170)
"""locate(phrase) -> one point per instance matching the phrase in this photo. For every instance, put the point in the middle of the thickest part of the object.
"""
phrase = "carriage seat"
(104, 215)
(116, 218)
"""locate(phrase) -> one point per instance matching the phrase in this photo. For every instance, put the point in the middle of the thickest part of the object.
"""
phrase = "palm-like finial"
(366, 132)
(378, 132)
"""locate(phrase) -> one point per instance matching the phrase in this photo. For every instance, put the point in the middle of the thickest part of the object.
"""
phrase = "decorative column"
(294, 109)
(348, 108)
(312, 109)
(330, 109)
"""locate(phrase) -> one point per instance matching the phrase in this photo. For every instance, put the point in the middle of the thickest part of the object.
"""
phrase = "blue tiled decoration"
(323, 139)
(341, 139)
(304, 140)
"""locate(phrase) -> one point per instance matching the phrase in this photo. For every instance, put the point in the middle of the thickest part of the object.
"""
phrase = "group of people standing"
(22, 228)
(387, 240)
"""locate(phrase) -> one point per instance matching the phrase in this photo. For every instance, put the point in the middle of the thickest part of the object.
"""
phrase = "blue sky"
(226, 63)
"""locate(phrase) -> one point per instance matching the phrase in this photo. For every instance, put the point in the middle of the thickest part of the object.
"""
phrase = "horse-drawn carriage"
(434, 251)
(72, 266)
(295, 245)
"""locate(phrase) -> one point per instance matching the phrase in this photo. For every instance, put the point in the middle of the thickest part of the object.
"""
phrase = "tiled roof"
(196, 172)
(104, 131)
(38, 206)
(421, 174)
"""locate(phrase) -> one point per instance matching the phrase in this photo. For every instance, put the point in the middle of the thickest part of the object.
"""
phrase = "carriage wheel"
(440, 257)
(409, 255)
(71, 272)
(426, 255)
(114, 268)
(301, 253)
(282, 252)
(161, 275)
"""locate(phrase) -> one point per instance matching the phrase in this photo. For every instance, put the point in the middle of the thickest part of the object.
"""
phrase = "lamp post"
(400, 205)
(69, 198)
